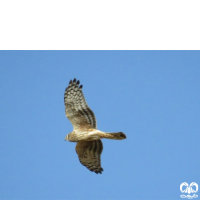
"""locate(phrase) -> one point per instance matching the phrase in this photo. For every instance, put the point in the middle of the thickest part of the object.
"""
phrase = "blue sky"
(152, 96)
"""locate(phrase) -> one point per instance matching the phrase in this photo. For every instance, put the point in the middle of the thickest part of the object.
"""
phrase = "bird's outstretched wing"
(76, 108)
(89, 154)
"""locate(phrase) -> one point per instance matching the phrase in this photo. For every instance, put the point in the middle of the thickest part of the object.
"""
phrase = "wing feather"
(89, 154)
(76, 108)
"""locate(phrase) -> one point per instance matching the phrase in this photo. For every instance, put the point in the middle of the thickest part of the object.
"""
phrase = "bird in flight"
(89, 145)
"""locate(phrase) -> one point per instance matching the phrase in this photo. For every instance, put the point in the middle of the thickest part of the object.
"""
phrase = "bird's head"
(66, 138)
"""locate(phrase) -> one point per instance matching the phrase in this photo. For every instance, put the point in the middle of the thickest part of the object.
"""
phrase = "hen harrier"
(89, 146)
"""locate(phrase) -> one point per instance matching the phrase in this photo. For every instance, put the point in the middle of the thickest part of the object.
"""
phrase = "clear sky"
(152, 96)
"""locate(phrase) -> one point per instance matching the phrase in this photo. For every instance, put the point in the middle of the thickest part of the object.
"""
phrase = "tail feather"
(114, 136)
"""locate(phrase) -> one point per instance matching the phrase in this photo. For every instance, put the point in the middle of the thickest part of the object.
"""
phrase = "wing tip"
(99, 171)
(77, 82)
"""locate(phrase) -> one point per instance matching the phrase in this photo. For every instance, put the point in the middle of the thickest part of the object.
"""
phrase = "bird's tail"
(114, 136)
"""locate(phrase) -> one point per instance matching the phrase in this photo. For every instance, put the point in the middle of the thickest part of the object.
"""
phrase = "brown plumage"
(89, 146)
